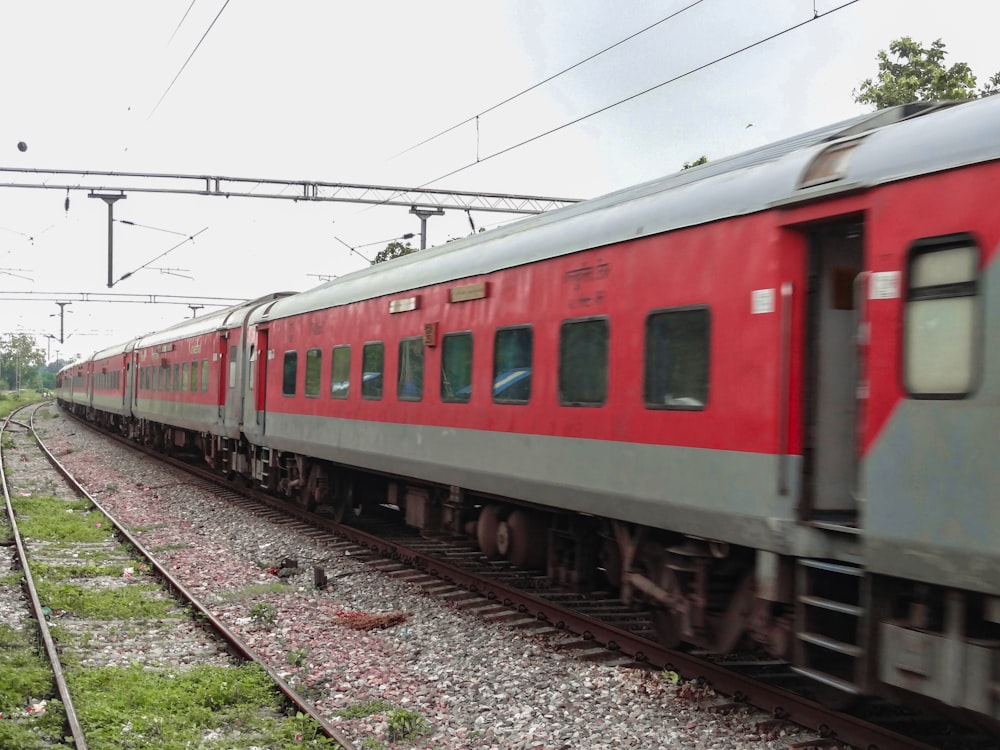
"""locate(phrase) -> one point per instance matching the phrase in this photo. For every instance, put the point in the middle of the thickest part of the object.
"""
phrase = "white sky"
(331, 91)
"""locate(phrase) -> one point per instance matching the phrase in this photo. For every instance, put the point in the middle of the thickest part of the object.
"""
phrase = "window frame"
(531, 366)
(333, 371)
(295, 373)
(570, 322)
(455, 399)
(952, 290)
(660, 406)
(317, 355)
(365, 394)
(400, 396)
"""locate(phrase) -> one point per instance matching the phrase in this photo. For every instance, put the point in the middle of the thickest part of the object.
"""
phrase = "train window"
(204, 376)
(166, 377)
(176, 382)
(194, 376)
(184, 376)
(410, 370)
(340, 380)
(512, 365)
(941, 329)
(232, 366)
(372, 366)
(456, 367)
(314, 364)
(289, 373)
(677, 349)
(583, 362)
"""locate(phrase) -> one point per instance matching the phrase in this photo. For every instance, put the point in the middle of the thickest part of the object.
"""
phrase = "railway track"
(596, 626)
(104, 608)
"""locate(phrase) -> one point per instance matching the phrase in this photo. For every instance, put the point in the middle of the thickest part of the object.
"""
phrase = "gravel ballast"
(475, 684)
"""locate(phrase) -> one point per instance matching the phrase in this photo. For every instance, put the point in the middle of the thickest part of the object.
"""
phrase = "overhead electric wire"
(179, 23)
(165, 252)
(546, 80)
(196, 47)
(638, 94)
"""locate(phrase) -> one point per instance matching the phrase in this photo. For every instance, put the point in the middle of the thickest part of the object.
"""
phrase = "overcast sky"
(333, 91)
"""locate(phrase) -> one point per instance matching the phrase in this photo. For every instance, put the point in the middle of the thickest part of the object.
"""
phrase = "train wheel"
(486, 531)
(317, 490)
(526, 534)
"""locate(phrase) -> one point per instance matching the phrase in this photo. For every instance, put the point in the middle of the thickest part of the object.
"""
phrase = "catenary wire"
(196, 47)
(587, 116)
(180, 23)
(546, 80)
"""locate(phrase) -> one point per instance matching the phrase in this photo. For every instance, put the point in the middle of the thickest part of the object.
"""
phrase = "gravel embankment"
(476, 685)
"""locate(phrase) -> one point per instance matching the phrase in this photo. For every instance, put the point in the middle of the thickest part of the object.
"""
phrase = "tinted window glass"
(456, 367)
(314, 364)
(677, 348)
(194, 376)
(289, 373)
(410, 380)
(372, 366)
(512, 365)
(204, 376)
(340, 381)
(583, 362)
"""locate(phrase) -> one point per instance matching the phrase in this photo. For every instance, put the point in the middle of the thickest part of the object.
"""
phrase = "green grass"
(362, 709)
(119, 603)
(52, 519)
(142, 709)
(56, 572)
(25, 678)
(9, 402)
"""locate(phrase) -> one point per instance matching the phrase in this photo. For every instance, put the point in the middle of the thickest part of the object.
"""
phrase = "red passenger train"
(759, 397)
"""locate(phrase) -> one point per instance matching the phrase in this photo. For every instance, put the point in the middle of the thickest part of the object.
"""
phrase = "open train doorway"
(832, 372)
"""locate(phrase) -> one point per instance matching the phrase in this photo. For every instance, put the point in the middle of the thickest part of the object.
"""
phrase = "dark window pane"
(677, 347)
(583, 362)
(340, 382)
(314, 364)
(512, 365)
(372, 366)
(289, 373)
(410, 380)
(456, 367)
(204, 376)
(194, 376)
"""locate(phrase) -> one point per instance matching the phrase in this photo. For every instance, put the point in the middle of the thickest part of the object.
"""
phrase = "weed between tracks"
(140, 709)
(25, 681)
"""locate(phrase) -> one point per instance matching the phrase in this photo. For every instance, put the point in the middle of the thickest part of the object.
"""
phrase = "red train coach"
(758, 397)
(188, 392)
(767, 378)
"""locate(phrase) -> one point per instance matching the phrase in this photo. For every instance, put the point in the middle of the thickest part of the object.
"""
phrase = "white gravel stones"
(476, 685)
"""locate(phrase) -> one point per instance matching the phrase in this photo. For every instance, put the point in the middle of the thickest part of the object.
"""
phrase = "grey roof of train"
(901, 142)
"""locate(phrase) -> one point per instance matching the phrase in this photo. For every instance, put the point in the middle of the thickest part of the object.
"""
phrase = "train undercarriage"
(850, 632)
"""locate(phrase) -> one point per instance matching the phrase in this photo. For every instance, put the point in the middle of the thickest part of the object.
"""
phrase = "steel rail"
(237, 643)
(781, 703)
(36, 605)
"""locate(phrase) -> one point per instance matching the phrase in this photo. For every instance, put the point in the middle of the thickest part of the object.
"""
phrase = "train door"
(260, 378)
(832, 373)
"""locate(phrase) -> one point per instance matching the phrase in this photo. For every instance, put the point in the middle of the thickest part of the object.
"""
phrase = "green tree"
(393, 250)
(20, 361)
(910, 72)
(697, 162)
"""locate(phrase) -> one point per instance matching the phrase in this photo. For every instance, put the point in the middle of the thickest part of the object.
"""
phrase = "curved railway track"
(596, 626)
(161, 606)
